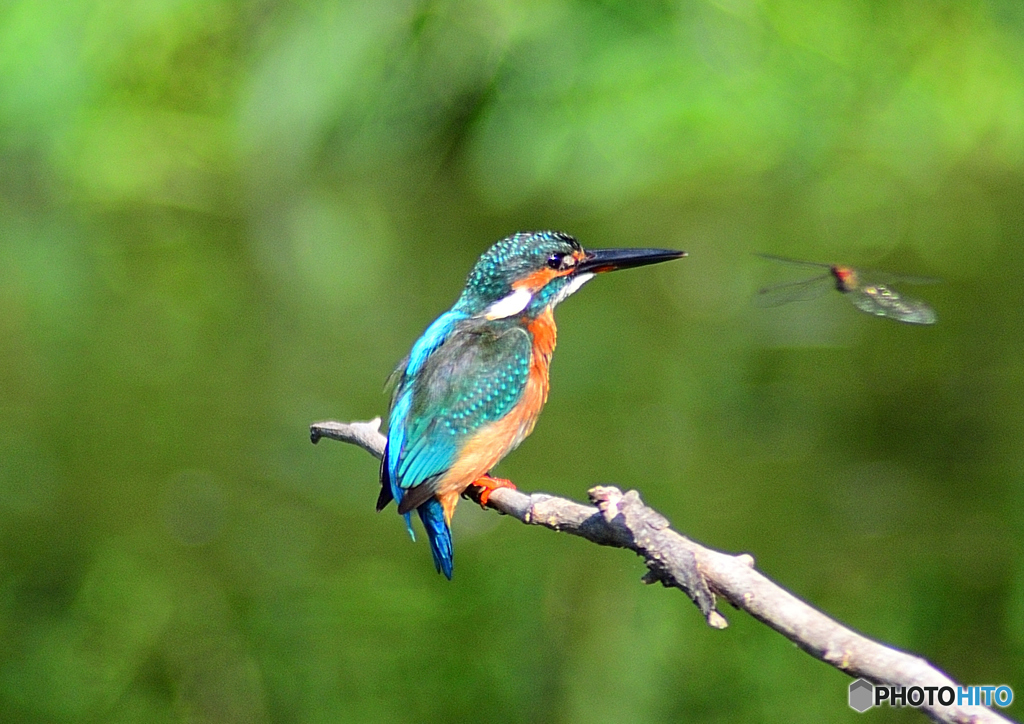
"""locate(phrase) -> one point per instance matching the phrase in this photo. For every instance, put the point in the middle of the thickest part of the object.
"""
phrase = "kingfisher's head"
(530, 271)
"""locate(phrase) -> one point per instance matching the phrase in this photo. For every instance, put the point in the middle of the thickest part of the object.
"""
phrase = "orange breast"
(544, 334)
(495, 441)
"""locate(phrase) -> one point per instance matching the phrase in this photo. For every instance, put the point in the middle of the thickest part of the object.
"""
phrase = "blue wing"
(474, 378)
(471, 374)
(430, 340)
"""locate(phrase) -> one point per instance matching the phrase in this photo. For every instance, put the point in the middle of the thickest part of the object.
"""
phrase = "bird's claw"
(488, 485)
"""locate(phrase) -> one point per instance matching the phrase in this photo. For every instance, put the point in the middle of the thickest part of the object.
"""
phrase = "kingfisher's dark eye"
(560, 261)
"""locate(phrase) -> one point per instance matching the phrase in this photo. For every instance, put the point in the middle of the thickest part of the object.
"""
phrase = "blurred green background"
(221, 221)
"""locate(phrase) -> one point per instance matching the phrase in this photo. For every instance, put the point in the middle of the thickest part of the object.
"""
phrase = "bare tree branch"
(623, 521)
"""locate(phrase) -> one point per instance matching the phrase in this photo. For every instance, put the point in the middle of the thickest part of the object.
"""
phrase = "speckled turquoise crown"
(514, 257)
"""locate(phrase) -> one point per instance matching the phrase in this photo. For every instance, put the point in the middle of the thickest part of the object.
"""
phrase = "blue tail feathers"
(430, 512)
(440, 535)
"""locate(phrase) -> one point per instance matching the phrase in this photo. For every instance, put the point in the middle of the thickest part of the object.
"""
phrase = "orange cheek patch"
(538, 280)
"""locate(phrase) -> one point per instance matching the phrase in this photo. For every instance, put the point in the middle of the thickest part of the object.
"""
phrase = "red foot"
(488, 485)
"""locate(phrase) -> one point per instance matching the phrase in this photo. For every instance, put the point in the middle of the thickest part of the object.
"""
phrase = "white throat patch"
(573, 286)
(514, 303)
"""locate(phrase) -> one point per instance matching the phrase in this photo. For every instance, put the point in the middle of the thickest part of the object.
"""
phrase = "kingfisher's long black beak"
(605, 260)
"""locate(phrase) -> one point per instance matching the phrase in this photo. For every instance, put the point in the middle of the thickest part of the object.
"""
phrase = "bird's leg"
(488, 485)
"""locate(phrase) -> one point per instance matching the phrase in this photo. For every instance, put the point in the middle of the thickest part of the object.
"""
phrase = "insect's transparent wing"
(867, 276)
(883, 301)
(793, 291)
(794, 262)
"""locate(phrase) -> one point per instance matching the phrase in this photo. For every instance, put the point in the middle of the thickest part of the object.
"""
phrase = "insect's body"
(476, 380)
(845, 278)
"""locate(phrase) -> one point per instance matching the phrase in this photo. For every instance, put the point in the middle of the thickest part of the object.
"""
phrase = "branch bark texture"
(622, 520)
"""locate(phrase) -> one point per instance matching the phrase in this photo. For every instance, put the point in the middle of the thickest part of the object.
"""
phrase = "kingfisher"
(473, 384)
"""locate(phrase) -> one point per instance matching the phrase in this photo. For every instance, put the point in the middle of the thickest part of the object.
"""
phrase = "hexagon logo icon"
(861, 695)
